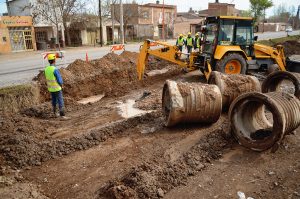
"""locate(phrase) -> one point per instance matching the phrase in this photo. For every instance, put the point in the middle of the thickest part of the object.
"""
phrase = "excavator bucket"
(142, 59)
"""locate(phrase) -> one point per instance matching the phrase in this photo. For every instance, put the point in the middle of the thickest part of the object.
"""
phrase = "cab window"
(244, 33)
(226, 32)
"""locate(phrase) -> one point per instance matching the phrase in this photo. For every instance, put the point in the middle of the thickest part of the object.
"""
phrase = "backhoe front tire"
(232, 63)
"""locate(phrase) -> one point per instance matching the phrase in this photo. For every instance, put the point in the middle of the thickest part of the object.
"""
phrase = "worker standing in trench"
(189, 43)
(197, 42)
(55, 84)
(180, 42)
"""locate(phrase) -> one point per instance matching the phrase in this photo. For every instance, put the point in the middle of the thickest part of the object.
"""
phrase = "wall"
(19, 8)
(184, 26)
(217, 9)
(145, 31)
(152, 16)
(13, 21)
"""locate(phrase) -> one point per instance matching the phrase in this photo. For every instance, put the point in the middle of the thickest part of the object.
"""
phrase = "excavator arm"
(166, 52)
(268, 52)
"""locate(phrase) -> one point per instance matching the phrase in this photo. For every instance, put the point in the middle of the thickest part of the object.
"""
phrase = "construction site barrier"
(58, 54)
(153, 44)
(117, 47)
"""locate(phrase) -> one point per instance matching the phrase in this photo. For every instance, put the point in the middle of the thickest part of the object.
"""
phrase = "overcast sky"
(184, 5)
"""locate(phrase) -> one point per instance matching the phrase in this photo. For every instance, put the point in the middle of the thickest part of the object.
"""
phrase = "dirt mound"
(15, 98)
(112, 75)
(154, 179)
(130, 56)
(291, 47)
(20, 146)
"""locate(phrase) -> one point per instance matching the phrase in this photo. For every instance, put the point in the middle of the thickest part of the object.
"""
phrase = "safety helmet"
(180, 35)
(197, 34)
(51, 57)
(189, 33)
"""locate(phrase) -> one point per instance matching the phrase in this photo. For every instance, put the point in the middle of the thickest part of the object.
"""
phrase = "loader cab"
(228, 31)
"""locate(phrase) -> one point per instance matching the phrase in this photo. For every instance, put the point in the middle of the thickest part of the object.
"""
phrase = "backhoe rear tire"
(232, 63)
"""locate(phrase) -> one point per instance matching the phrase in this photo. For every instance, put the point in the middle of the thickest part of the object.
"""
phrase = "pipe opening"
(254, 120)
(283, 85)
(282, 81)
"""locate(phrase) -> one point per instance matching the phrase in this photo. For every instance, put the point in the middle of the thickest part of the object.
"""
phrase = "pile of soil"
(113, 75)
(22, 142)
(13, 99)
(291, 47)
(154, 179)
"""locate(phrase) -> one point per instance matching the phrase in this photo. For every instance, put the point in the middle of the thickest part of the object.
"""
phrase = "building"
(218, 9)
(45, 30)
(188, 22)
(16, 34)
(151, 21)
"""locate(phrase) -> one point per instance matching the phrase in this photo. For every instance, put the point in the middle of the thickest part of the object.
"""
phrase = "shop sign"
(15, 22)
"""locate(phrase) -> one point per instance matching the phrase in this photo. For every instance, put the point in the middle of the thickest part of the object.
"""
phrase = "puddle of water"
(157, 72)
(91, 99)
(126, 110)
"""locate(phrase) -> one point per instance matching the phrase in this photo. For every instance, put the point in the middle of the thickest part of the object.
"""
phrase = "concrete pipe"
(259, 120)
(190, 102)
(231, 86)
(282, 81)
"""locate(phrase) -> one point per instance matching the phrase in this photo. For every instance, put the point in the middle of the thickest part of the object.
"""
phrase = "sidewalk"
(68, 50)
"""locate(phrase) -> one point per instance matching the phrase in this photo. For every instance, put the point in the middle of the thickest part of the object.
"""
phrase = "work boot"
(55, 114)
(62, 113)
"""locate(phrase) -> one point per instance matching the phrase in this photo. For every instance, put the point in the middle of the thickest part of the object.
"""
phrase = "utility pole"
(8, 8)
(113, 21)
(163, 21)
(121, 22)
(100, 19)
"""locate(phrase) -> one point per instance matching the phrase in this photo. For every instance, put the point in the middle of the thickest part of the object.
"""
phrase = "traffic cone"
(86, 57)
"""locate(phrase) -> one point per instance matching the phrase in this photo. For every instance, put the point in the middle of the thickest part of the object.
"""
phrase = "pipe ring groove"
(190, 102)
(231, 86)
(273, 81)
(260, 120)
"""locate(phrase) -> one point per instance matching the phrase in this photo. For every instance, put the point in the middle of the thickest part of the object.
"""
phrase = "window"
(226, 32)
(41, 36)
(210, 38)
(244, 33)
(145, 15)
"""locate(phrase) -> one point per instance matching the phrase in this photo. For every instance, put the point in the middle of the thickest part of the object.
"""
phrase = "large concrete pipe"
(259, 120)
(231, 86)
(191, 102)
(282, 81)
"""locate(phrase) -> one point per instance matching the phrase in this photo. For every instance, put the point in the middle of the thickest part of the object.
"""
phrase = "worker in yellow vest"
(189, 42)
(180, 42)
(197, 42)
(54, 84)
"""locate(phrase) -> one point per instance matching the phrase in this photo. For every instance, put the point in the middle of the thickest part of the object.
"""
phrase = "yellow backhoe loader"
(228, 47)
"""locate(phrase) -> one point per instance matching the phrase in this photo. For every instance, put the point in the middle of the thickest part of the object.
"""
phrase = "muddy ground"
(118, 147)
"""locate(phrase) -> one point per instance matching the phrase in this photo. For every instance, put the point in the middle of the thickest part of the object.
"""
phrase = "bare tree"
(131, 14)
(57, 12)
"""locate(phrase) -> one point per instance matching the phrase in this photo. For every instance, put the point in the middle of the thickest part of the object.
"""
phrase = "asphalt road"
(17, 68)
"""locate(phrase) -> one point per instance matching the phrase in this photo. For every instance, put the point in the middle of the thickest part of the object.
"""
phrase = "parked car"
(289, 29)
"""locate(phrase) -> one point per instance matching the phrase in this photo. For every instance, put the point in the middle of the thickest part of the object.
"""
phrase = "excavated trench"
(115, 144)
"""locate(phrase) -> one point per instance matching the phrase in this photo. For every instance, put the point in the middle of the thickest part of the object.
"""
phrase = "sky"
(184, 5)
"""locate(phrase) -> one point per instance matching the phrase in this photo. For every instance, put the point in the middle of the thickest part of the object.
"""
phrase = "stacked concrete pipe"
(191, 102)
(273, 81)
(250, 125)
(231, 86)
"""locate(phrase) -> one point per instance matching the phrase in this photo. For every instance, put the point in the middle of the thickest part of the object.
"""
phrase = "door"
(28, 39)
(20, 39)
